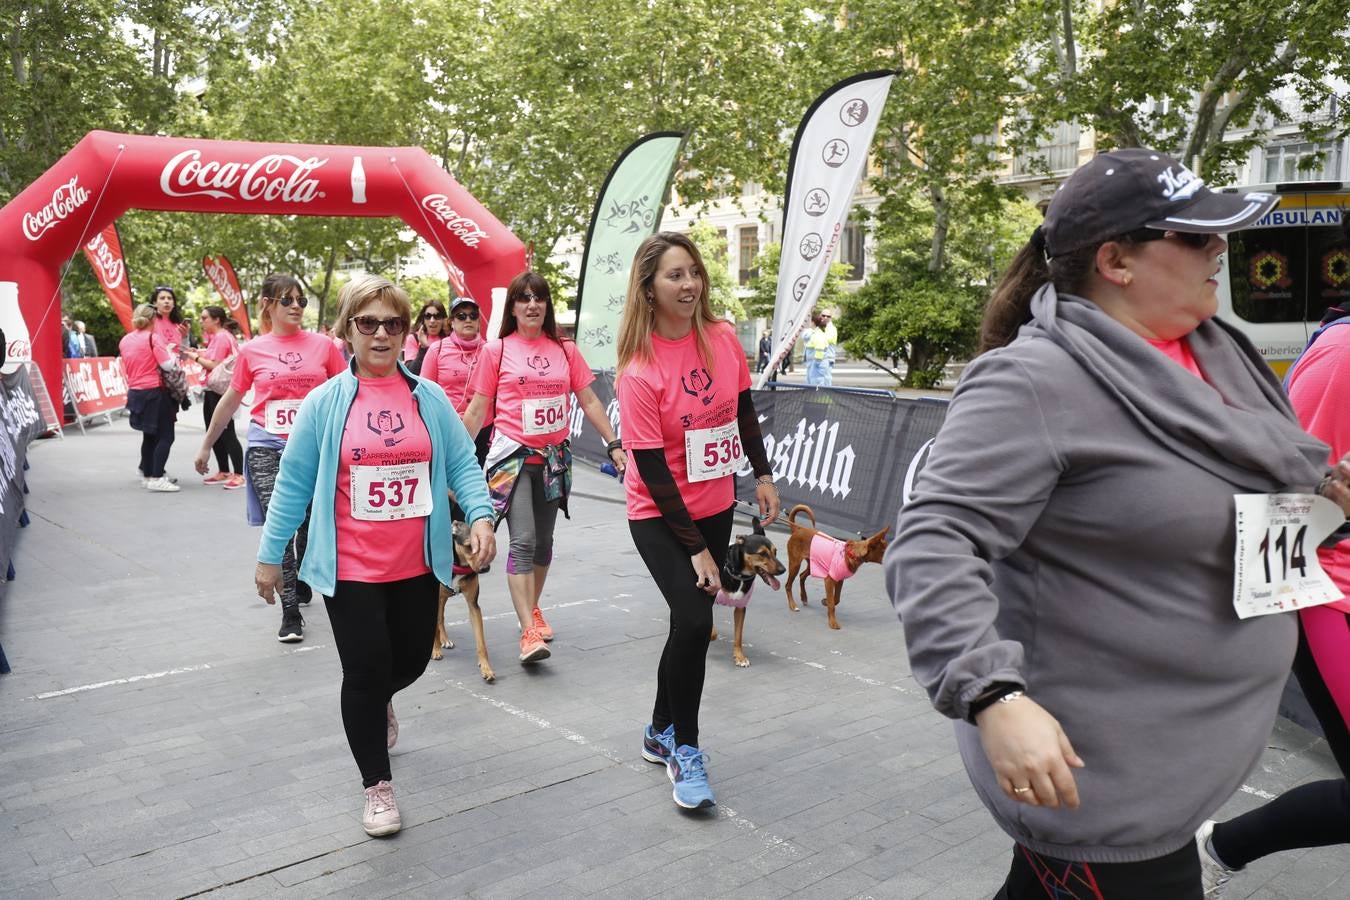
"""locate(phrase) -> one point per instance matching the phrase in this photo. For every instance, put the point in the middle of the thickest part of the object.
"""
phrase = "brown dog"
(842, 558)
(751, 556)
(466, 583)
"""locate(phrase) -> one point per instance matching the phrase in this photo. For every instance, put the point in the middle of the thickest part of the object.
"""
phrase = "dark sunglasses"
(1189, 239)
(432, 314)
(527, 298)
(368, 325)
(470, 316)
(302, 302)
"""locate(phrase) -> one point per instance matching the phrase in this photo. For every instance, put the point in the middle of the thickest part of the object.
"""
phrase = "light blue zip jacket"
(309, 468)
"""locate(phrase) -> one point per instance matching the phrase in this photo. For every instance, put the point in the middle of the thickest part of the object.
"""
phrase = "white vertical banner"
(829, 157)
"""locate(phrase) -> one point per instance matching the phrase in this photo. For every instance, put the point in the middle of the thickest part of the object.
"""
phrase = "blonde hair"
(639, 313)
(142, 316)
(364, 290)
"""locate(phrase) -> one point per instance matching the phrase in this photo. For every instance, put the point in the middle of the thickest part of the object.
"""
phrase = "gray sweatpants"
(531, 520)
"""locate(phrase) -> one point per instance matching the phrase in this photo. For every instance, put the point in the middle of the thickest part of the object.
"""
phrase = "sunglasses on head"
(368, 325)
(1189, 239)
(433, 314)
(301, 302)
(467, 316)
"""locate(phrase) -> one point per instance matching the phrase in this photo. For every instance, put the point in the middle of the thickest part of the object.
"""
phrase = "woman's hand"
(422, 340)
(1029, 753)
(199, 462)
(1336, 486)
(705, 572)
(482, 543)
(766, 495)
(268, 579)
(620, 460)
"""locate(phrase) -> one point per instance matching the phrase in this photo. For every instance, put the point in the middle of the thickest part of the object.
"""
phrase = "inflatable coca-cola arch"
(106, 174)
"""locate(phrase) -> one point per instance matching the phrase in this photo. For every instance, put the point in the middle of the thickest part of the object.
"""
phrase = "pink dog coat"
(827, 558)
(737, 601)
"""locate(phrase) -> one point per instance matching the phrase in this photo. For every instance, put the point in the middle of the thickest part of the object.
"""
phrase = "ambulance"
(1281, 274)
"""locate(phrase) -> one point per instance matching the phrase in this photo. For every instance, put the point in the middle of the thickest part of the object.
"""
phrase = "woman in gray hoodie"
(1065, 569)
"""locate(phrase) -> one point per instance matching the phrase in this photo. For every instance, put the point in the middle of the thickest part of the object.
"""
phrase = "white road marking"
(47, 695)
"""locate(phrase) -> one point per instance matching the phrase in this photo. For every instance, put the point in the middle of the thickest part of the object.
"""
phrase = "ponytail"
(1009, 307)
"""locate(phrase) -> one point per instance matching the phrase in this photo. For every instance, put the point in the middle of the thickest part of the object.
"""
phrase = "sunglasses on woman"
(1189, 239)
(368, 325)
(432, 314)
(287, 301)
(470, 316)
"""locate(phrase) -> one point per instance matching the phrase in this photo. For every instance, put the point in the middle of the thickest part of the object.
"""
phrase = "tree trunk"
(1208, 102)
(942, 213)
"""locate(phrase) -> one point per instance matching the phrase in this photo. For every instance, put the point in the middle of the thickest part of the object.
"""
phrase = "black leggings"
(1310, 815)
(155, 447)
(383, 634)
(1035, 876)
(263, 465)
(229, 452)
(679, 676)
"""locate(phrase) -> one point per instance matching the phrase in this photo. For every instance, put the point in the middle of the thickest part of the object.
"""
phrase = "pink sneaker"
(391, 732)
(532, 646)
(218, 478)
(545, 632)
(381, 816)
(234, 482)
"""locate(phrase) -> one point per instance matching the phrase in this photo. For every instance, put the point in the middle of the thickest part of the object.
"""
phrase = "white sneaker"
(1214, 875)
(162, 485)
(381, 815)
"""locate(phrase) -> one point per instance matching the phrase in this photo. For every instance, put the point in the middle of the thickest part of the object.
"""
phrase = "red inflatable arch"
(106, 174)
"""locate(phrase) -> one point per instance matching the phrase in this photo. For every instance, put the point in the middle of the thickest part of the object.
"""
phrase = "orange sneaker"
(234, 483)
(545, 633)
(218, 478)
(532, 646)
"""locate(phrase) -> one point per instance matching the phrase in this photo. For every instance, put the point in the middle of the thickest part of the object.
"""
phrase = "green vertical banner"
(628, 211)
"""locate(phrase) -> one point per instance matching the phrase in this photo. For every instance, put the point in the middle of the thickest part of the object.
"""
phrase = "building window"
(749, 250)
(851, 250)
(1285, 162)
(1056, 152)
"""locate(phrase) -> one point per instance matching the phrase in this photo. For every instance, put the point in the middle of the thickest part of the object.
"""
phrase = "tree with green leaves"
(1204, 80)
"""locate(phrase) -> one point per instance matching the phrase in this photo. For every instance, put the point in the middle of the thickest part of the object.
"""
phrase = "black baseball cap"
(1124, 190)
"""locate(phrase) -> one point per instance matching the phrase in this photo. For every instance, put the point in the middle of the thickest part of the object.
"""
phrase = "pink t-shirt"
(139, 364)
(678, 404)
(1179, 351)
(220, 347)
(383, 485)
(281, 371)
(168, 332)
(451, 365)
(530, 380)
(411, 347)
(828, 558)
(1315, 390)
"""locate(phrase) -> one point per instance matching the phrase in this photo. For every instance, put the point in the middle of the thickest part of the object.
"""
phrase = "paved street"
(157, 741)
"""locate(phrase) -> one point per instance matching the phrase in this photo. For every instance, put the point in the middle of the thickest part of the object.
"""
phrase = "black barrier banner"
(851, 457)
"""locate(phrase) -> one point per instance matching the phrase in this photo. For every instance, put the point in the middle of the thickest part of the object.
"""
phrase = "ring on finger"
(1021, 790)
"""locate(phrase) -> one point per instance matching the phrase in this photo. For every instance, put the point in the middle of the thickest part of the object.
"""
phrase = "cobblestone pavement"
(157, 741)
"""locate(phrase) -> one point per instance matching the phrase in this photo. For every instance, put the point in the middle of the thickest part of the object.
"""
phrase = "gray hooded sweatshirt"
(1072, 532)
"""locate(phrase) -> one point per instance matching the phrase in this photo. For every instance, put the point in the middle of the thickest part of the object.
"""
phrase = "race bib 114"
(1275, 558)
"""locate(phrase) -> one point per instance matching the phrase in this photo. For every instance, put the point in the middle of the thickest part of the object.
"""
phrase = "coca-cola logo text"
(223, 279)
(276, 176)
(19, 350)
(111, 267)
(462, 227)
(65, 200)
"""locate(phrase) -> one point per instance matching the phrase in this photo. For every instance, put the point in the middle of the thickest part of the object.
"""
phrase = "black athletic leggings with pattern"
(263, 465)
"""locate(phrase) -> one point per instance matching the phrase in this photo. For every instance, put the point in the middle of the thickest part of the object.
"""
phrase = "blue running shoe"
(685, 768)
(656, 748)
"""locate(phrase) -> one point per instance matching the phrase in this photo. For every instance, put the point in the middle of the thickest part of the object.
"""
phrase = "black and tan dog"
(826, 557)
(751, 556)
(466, 583)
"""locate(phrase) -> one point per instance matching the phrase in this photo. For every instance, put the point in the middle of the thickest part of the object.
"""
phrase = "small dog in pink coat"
(828, 558)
